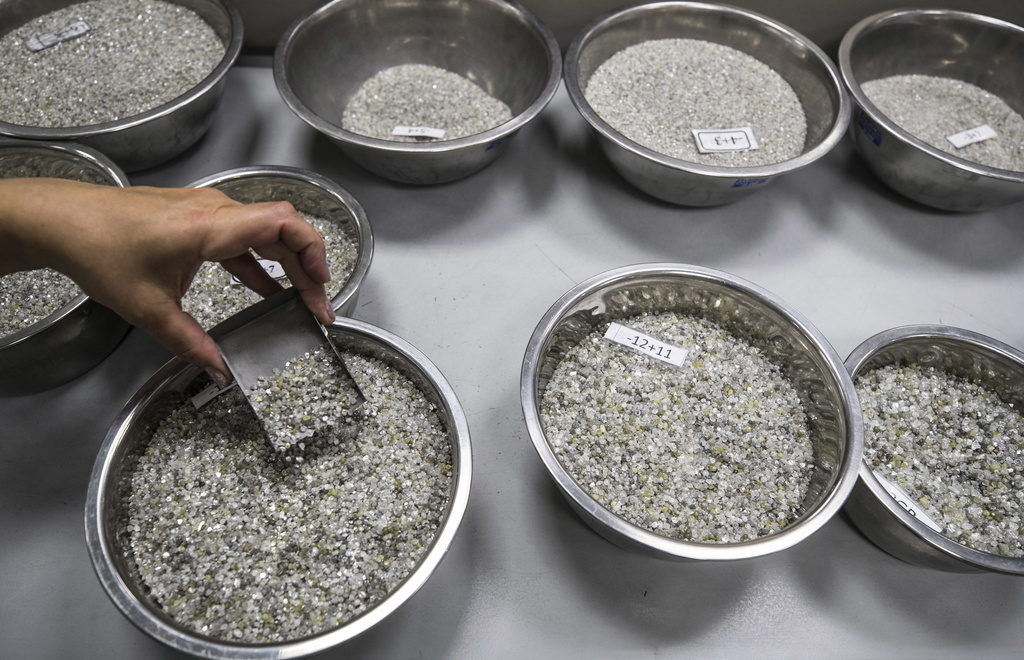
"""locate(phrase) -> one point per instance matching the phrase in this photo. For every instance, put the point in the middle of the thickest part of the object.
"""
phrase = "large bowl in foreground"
(108, 538)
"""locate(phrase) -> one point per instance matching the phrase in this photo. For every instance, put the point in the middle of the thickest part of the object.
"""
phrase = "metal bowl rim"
(831, 140)
(231, 53)
(855, 363)
(283, 51)
(825, 509)
(861, 100)
(142, 616)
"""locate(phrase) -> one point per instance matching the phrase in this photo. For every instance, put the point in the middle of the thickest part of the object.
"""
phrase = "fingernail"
(217, 377)
(330, 310)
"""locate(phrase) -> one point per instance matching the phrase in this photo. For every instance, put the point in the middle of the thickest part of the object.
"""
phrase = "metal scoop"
(263, 338)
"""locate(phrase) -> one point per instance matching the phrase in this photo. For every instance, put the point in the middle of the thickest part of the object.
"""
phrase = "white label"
(646, 344)
(209, 394)
(978, 134)
(907, 502)
(418, 131)
(270, 267)
(726, 139)
(42, 41)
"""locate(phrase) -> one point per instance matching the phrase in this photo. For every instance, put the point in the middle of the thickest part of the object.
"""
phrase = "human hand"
(136, 250)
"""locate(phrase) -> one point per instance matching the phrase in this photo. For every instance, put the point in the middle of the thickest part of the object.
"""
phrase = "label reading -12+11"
(646, 344)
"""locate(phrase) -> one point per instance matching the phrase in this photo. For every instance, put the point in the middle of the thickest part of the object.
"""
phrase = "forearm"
(39, 216)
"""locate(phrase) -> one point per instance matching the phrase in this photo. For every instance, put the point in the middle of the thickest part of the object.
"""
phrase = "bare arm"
(136, 250)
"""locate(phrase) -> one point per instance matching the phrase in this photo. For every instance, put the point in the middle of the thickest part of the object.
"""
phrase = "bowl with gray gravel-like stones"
(418, 92)
(211, 543)
(51, 332)
(939, 105)
(701, 104)
(689, 414)
(139, 80)
(942, 482)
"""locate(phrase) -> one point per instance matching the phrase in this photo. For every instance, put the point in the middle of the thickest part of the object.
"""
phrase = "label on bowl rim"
(713, 140)
(270, 267)
(646, 344)
(208, 394)
(42, 41)
(972, 136)
(907, 502)
(418, 131)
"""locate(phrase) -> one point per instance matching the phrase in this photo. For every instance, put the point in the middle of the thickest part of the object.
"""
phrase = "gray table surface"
(464, 272)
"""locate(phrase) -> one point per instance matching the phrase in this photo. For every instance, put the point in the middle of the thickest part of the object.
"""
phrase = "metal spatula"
(267, 336)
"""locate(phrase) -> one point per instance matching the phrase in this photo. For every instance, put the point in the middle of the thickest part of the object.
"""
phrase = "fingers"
(312, 254)
(318, 303)
(274, 227)
(250, 273)
(183, 335)
(275, 231)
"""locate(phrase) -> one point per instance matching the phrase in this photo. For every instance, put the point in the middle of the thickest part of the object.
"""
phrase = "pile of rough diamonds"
(135, 56)
(235, 544)
(952, 445)
(717, 451)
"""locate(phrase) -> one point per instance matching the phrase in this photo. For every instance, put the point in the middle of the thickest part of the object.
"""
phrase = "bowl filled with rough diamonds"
(333, 212)
(943, 473)
(688, 414)
(418, 92)
(939, 108)
(139, 80)
(51, 332)
(210, 542)
(701, 104)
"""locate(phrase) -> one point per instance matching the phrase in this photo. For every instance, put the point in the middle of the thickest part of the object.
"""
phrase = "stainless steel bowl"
(976, 49)
(961, 353)
(156, 135)
(802, 64)
(130, 432)
(748, 312)
(79, 335)
(311, 193)
(325, 57)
